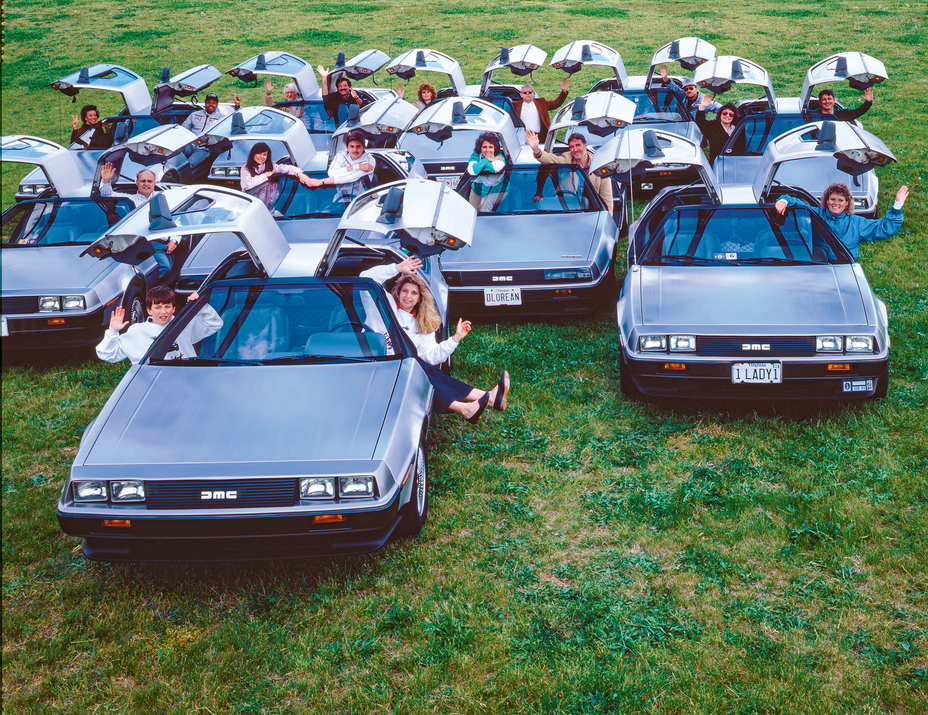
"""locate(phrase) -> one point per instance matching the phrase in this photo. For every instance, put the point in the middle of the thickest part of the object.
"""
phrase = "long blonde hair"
(427, 318)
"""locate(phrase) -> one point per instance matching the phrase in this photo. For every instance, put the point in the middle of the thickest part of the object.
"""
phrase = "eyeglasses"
(528, 92)
(727, 114)
(291, 93)
(689, 87)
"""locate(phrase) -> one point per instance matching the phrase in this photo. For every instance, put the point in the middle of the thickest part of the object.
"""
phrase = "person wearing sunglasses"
(291, 94)
(534, 110)
(716, 131)
(687, 93)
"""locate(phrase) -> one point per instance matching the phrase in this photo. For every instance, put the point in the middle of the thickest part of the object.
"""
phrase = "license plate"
(502, 296)
(862, 385)
(757, 373)
(451, 181)
(4, 329)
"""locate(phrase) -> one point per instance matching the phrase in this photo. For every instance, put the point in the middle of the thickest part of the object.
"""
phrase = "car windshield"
(261, 124)
(287, 324)
(297, 201)
(459, 146)
(548, 189)
(656, 105)
(59, 223)
(237, 155)
(752, 134)
(739, 236)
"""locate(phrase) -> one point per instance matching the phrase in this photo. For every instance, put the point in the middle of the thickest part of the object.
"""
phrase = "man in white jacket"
(136, 341)
(351, 170)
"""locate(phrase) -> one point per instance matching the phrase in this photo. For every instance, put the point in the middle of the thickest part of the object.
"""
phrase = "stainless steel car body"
(241, 486)
(721, 301)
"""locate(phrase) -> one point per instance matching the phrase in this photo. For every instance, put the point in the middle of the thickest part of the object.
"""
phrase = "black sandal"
(502, 392)
(483, 402)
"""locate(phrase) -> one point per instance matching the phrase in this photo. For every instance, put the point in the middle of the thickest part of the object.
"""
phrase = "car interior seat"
(262, 331)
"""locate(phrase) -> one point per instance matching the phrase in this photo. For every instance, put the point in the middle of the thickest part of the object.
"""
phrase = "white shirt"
(136, 341)
(200, 122)
(529, 115)
(346, 174)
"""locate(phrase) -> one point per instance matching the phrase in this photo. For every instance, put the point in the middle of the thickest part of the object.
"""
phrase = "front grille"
(188, 494)
(484, 279)
(734, 347)
(18, 304)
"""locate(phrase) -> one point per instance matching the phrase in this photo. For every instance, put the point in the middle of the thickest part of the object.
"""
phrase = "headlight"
(859, 343)
(219, 171)
(233, 171)
(49, 303)
(317, 488)
(129, 490)
(26, 188)
(73, 302)
(860, 203)
(829, 343)
(89, 491)
(683, 343)
(652, 342)
(356, 486)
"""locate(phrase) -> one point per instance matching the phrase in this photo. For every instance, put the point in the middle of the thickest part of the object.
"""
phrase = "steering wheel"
(352, 325)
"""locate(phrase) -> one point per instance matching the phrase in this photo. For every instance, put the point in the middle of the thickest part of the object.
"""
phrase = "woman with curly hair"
(90, 132)
(258, 174)
(716, 131)
(426, 94)
(418, 316)
(486, 165)
(838, 213)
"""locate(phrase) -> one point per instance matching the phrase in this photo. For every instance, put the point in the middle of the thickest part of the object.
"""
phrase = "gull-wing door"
(112, 78)
(149, 148)
(428, 216)
(279, 64)
(855, 149)
(601, 113)
(860, 71)
(441, 118)
(253, 124)
(520, 60)
(362, 65)
(193, 211)
(185, 84)
(387, 117)
(634, 150)
(690, 52)
(721, 73)
(58, 164)
(573, 57)
(424, 60)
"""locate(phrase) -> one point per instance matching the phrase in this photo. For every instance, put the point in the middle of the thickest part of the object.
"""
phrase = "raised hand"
(902, 194)
(75, 122)
(118, 319)
(532, 139)
(268, 86)
(464, 328)
(564, 83)
(409, 266)
(868, 94)
(106, 173)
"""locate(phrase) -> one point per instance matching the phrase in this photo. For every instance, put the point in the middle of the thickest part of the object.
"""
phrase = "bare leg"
(476, 394)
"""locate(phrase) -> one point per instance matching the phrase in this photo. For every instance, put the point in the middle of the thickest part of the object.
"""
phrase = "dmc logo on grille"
(502, 279)
(755, 346)
(219, 495)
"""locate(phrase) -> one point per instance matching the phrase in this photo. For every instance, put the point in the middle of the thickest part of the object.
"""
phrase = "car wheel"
(415, 512)
(134, 305)
(882, 384)
(608, 290)
(626, 383)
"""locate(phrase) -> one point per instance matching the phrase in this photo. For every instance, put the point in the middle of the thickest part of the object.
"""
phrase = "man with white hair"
(291, 94)
(534, 111)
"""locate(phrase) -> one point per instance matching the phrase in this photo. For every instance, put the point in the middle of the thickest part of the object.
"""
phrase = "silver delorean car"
(723, 299)
(299, 427)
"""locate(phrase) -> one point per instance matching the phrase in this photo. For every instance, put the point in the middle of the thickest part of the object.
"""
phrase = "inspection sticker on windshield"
(726, 256)
(757, 373)
(502, 296)
(857, 385)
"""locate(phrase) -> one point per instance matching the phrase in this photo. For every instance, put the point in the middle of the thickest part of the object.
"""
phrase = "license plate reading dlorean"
(757, 373)
(502, 296)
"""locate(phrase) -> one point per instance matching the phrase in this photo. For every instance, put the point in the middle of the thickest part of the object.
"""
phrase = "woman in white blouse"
(259, 174)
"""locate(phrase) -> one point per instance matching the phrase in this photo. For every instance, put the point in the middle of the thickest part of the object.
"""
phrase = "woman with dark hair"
(258, 174)
(418, 316)
(717, 130)
(838, 213)
(90, 132)
(486, 165)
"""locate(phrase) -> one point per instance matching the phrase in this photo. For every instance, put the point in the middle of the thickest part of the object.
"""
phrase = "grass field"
(584, 553)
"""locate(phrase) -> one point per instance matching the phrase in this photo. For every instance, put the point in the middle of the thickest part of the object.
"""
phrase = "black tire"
(882, 384)
(626, 383)
(416, 511)
(134, 304)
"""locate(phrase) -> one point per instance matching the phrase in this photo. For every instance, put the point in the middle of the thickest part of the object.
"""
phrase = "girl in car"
(259, 175)
(418, 316)
(487, 165)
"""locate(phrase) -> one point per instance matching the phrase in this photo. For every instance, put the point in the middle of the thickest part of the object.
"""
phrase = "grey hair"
(291, 85)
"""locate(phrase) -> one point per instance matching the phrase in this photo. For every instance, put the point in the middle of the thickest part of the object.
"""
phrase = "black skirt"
(446, 389)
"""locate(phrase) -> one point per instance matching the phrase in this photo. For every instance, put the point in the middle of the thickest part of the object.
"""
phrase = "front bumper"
(32, 332)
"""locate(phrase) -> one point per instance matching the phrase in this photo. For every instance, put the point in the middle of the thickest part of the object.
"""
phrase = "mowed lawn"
(584, 553)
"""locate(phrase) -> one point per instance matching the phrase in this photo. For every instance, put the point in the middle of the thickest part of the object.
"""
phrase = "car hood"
(526, 240)
(211, 415)
(751, 296)
(53, 269)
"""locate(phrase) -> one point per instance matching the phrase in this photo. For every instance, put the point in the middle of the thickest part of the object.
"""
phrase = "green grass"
(584, 553)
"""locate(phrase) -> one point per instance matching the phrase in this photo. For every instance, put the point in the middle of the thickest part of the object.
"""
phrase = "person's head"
(211, 103)
(343, 86)
(577, 145)
(145, 182)
(826, 101)
(487, 145)
(291, 93)
(527, 93)
(355, 145)
(260, 154)
(837, 199)
(690, 89)
(159, 301)
(89, 114)
(727, 113)
(427, 93)
(413, 296)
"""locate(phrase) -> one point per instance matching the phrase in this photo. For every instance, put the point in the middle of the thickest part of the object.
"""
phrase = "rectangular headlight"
(127, 490)
(317, 488)
(860, 203)
(49, 303)
(233, 171)
(356, 486)
(683, 343)
(27, 189)
(829, 343)
(89, 491)
(219, 171)
(73, 302)
(652, 342)
(859, 343)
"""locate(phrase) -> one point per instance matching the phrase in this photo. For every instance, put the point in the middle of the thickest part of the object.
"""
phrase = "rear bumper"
(546, 301)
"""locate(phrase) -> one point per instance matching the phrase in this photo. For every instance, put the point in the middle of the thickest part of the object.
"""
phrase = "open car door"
(54, 160)
(112, 78)
(279, 64)
(860, 71)
(720, 74)
(573, 57)
(689, 52)
(380, 123)
(600, 113)
(520, 60)
(424, 60)
(362, 65)
(185, 84)
(148, 149)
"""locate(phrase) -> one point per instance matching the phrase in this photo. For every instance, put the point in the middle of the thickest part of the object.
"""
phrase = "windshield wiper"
(777, 261)
(202, 361)
(318, 214)
(692, 259)
(296, 359)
